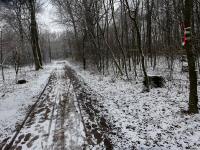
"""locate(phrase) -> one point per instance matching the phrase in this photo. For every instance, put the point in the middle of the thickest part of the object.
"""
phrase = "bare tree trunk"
(193, 97)
(149, 29)
(83, 51)
(21, 50)
(133, 18)
(49, 45)
(117, 38)
(2, 72)
(34, 36)
(38, 45)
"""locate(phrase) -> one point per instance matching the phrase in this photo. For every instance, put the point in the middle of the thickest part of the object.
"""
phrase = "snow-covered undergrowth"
(15, 98)
(150, 120)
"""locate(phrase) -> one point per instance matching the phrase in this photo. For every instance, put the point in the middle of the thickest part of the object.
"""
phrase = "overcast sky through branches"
(47, 18)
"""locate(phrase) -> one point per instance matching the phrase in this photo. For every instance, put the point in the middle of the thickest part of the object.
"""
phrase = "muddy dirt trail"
(63, 118)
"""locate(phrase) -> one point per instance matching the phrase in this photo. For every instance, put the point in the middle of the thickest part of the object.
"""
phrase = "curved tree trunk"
(133, 18)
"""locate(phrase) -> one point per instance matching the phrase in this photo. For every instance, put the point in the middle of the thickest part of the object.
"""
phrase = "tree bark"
(34, 37)
(2, 72)
(193, 97)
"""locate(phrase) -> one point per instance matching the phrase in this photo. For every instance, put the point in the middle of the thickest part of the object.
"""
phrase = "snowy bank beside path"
(15, 98)
(146, 120)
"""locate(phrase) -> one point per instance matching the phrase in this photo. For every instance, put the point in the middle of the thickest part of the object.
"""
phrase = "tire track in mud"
(61, 104)
(97, 128)
(68, 133)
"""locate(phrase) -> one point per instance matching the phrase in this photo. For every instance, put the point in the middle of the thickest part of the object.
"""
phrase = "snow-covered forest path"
(59, 119)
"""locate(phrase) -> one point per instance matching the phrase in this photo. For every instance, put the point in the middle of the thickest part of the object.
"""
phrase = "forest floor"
(140, 120)
(66, 107)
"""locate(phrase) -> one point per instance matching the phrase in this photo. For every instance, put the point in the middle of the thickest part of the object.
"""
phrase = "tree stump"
(156, 81)
(185, 69)
(183, 58)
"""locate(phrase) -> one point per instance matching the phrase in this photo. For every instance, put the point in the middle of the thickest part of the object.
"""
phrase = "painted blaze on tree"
(186, 36)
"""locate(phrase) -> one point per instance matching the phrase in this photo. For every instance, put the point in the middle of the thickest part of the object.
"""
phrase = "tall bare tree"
(133, 16)
(34, 35)
(193, 96)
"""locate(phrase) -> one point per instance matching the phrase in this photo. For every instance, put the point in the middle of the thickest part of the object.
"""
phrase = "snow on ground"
(15, 98)
(147, 120)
